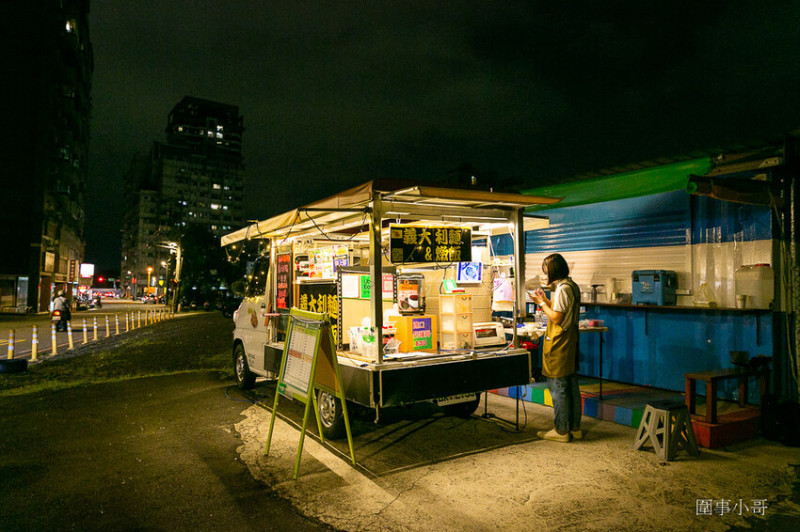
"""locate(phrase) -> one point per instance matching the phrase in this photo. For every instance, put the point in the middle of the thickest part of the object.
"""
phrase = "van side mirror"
(238, 288)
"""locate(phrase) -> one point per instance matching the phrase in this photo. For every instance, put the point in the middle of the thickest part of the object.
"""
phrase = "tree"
(205, 266)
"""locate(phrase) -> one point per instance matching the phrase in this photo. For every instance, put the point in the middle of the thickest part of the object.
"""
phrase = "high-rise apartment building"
(47, 72)
(195, 177)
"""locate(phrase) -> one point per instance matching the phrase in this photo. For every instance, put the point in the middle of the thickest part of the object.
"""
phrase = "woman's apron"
(560, 347)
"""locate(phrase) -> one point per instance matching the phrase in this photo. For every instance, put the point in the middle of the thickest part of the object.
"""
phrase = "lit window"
(215, 206)
(224, 207)
(180, 129)
(70, 26)
(216, 186)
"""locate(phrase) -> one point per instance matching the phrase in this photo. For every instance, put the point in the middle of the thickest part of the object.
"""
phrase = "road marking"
(16, 341)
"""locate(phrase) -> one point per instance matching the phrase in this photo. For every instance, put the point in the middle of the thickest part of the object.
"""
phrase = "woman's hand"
(537, 296)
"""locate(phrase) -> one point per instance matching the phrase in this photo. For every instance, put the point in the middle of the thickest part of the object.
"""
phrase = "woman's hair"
(555, 267)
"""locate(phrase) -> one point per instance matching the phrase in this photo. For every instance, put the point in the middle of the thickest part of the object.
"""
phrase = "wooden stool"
(668, 426)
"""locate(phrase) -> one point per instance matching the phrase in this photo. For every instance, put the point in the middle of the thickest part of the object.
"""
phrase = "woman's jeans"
(566, 402)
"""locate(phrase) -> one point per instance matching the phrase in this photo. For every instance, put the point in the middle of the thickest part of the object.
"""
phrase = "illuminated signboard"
(409, 243)
(284, 279)
(87, 270)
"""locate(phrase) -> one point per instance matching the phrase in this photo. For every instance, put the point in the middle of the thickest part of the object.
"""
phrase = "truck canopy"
(348, 212)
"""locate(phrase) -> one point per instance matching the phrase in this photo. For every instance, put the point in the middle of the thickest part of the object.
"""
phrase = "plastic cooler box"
(654, 287)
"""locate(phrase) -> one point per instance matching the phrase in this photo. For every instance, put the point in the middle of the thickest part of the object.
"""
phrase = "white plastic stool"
(668, 426)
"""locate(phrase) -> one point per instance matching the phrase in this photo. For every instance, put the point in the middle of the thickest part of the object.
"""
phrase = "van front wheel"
(245, 379)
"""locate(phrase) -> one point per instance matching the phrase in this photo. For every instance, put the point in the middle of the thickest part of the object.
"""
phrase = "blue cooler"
(654, 287)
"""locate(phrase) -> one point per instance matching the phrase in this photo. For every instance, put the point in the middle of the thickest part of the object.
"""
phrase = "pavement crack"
(426, 473)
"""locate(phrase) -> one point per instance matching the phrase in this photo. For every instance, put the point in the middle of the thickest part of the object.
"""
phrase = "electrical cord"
(313, 221)
(227, 396)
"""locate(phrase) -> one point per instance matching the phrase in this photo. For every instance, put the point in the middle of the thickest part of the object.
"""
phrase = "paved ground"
(146, 454)
(423, 471)
(186, 452)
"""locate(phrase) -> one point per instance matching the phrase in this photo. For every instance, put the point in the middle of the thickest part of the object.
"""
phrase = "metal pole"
(34, 344)
(375, 273)
(519, 272)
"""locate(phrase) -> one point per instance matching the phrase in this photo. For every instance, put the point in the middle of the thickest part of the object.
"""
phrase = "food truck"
(404, 273)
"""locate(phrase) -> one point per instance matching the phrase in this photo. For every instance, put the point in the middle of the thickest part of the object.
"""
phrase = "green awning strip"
(666, 178)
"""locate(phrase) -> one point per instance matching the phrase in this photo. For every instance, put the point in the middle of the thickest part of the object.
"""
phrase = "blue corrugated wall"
(668, 219)
(655, 347)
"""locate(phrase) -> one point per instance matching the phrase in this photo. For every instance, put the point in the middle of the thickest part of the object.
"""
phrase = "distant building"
(47, 70)
(195, 177)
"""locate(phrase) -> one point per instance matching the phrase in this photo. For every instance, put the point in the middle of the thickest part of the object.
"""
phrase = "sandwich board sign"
(309, 363)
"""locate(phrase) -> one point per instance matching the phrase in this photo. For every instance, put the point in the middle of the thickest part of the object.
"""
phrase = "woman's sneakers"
(553, 435)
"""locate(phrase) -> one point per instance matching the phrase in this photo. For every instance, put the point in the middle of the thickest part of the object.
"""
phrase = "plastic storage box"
(757, 282)
(654, 287)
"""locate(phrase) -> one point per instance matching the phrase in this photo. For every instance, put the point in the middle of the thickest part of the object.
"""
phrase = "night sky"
(337, 93)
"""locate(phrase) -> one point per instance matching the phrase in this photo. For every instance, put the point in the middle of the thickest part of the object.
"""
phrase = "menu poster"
(299, 360)
(410, 243)
(284, 278)
(388, 286)
(422, 333)
(366, 287)
(340, 262)
(408, 294)
(351, 285)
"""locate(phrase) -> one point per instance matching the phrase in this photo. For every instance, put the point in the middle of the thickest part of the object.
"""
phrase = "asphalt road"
(108, 320)
(145, 454)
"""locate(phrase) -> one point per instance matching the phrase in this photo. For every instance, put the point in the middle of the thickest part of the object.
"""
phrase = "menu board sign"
(300, 352)
(320, 297)
(410, 243)
(284, 278)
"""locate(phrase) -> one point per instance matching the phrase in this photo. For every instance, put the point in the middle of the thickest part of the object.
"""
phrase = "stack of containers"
(455, 318)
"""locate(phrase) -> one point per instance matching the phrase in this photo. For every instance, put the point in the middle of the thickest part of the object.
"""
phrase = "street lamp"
(175, 248)
(149, 271)
(165, 264)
